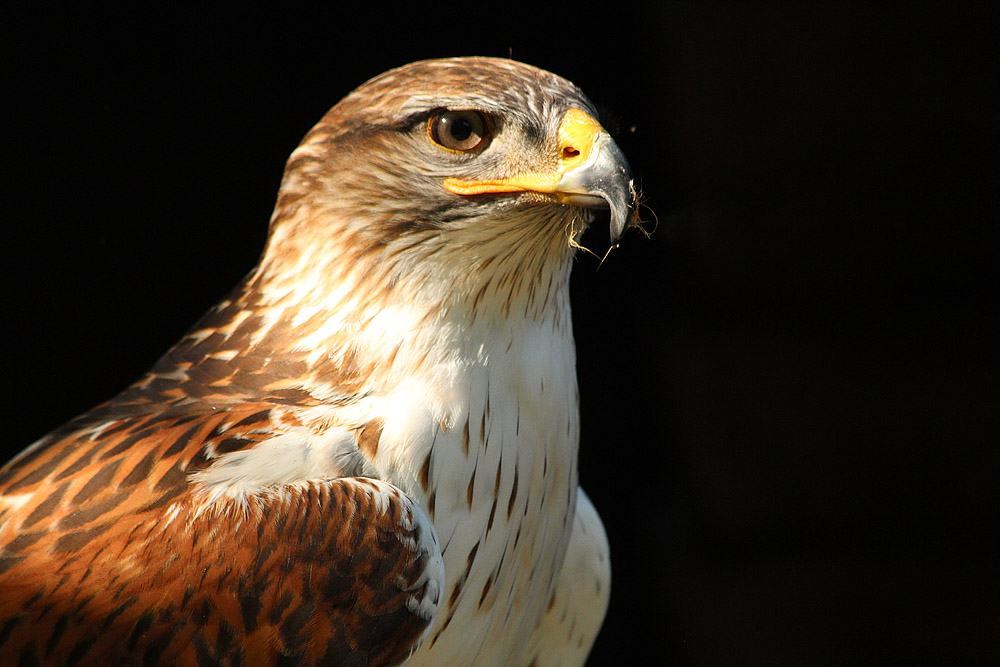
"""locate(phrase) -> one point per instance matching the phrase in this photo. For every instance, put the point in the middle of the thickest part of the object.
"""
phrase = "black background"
(789, 392)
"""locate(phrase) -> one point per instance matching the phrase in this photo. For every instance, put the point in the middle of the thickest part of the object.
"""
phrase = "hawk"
(367, 453)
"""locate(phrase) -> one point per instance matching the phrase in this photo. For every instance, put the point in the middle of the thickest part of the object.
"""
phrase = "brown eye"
(458, 130)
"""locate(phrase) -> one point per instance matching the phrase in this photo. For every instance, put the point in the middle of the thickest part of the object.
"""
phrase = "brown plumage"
(367, 453)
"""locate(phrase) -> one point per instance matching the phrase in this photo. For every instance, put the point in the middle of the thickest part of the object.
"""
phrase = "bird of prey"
(367, 453)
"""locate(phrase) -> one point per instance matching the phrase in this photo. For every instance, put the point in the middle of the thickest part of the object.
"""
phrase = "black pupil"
(460, 129)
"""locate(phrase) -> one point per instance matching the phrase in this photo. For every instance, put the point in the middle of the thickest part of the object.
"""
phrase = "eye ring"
(463, 130)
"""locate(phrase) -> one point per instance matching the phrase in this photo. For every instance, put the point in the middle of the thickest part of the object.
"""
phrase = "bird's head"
(446, 169)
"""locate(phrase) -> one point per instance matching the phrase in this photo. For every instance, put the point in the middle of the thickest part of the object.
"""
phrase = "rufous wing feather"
(135, 566)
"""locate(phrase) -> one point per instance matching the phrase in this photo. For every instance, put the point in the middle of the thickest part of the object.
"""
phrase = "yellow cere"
(577, 133)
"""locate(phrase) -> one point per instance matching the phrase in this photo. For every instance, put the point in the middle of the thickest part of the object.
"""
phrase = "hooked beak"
(592, 172)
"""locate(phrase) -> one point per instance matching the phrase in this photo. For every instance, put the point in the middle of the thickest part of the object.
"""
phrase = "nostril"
(569, 152)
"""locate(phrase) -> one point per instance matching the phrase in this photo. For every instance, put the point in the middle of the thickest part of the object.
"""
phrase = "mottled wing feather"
(108, 554)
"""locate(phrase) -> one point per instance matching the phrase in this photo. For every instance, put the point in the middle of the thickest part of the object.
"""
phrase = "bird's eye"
(458, 130)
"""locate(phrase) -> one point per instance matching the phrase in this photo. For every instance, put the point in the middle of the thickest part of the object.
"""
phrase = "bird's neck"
(365, 338)
(311, 325)
(345, 305)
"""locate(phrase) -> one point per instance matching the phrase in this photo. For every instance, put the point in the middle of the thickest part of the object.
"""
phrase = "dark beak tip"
(624, 210)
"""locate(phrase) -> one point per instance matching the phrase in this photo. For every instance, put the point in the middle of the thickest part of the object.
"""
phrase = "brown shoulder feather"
(108, 555)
